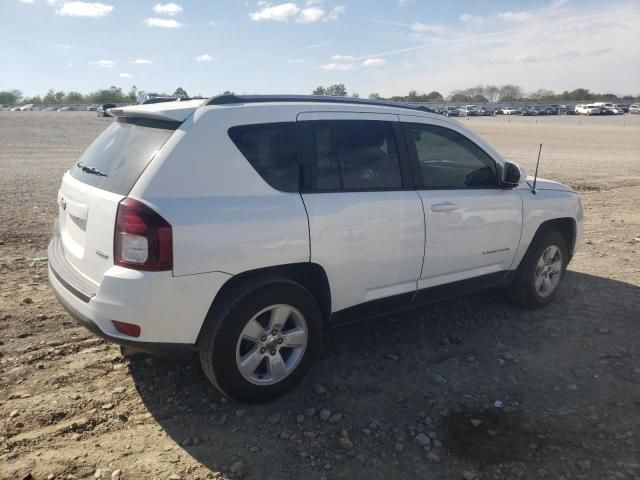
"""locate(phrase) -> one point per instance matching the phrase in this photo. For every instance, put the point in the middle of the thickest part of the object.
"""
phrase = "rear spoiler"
(168, 111)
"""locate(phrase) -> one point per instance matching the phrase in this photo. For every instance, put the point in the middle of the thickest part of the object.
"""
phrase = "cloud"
(295, 60)
(338, 67)
(204, 58)
(565, 56)
(374, 62)
(470, 19)
(405, 3)
(27, 1)
(125, 75)
(167, 8)
(514, 16)
(140, 61)
(277, 13)
(315, 45)
(343, 58)
(84, 9)
(103, 63)
(162, 23)
(425, 27)
(287, 12)
(310, 15)
(334, 13)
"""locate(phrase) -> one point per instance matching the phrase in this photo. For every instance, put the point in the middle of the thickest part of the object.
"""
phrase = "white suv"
(242, 226)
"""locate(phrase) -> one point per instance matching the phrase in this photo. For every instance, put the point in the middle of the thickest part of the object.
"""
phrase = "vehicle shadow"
(391, 378)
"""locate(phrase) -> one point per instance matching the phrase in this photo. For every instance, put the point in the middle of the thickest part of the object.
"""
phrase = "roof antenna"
(535, 177)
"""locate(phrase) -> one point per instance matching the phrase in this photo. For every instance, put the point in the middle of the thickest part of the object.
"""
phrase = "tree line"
(60, 97)
(478, 94)
(482, 94)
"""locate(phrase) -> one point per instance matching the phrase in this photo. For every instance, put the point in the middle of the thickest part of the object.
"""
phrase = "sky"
(282, 46)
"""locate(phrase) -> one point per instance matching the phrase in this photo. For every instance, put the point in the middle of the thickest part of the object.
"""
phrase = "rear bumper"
(154, 348)
(169, 310)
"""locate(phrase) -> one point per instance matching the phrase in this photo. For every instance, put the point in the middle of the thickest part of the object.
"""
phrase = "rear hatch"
(91, 191)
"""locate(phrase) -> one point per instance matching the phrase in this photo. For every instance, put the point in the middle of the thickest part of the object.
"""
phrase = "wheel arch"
(310, 275)
(566, 226)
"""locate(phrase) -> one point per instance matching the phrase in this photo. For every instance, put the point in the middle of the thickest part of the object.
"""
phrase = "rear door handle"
(443, 207)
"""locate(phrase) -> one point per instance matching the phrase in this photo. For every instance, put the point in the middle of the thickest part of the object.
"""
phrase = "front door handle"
(443, 207)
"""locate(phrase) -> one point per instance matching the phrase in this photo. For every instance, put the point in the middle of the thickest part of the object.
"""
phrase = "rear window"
(116, 159)
(272, 149)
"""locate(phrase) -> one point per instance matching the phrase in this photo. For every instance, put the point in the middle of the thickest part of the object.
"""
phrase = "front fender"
(543, 206)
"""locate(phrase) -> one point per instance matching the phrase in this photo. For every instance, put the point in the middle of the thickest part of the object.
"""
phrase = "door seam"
(306, 212)
(424, 244)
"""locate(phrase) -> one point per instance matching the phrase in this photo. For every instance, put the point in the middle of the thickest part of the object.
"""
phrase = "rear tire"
(541, 271)
(239, 351)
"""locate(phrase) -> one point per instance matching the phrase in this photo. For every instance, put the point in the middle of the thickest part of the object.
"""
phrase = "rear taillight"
(143, 239)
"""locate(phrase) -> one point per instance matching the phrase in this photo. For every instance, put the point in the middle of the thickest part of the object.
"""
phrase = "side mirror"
(511, 175)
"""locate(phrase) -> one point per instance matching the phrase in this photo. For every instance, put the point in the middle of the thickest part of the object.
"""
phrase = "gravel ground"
(463, 389)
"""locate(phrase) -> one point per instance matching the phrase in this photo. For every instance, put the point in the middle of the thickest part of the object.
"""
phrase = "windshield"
(120, 154)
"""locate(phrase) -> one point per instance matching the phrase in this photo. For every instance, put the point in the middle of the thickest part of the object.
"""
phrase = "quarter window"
(272, 149)
(355, 155)
(448, 159)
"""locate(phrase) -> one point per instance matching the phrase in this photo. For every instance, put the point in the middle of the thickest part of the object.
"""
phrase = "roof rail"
(235, 99)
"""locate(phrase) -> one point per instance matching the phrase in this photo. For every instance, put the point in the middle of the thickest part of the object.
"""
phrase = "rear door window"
(272, 150)
(117, 158)
(353, 155)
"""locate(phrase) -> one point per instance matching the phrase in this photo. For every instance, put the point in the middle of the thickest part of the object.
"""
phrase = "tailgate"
(86, 223)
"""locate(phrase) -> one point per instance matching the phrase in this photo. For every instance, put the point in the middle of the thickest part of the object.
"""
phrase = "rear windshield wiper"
(91, 170)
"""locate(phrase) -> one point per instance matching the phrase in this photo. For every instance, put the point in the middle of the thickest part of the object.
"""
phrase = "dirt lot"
(470, 388)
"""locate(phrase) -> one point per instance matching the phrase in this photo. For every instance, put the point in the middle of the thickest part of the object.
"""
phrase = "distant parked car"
(102, 109)
(617, 110)
(634, 109)
(23, 108)
(533, 111)
(590, 109)
(450, 112)
(552, 110)
(92, 108)
(567, 110)
(67, 109)
(50, 109)
(469, 111)
(509, 111)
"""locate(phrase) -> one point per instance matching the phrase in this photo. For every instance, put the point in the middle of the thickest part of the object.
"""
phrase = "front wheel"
(538, 276)
(259, 340)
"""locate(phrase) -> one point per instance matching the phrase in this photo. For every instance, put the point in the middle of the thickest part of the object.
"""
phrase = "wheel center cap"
(271, 342)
